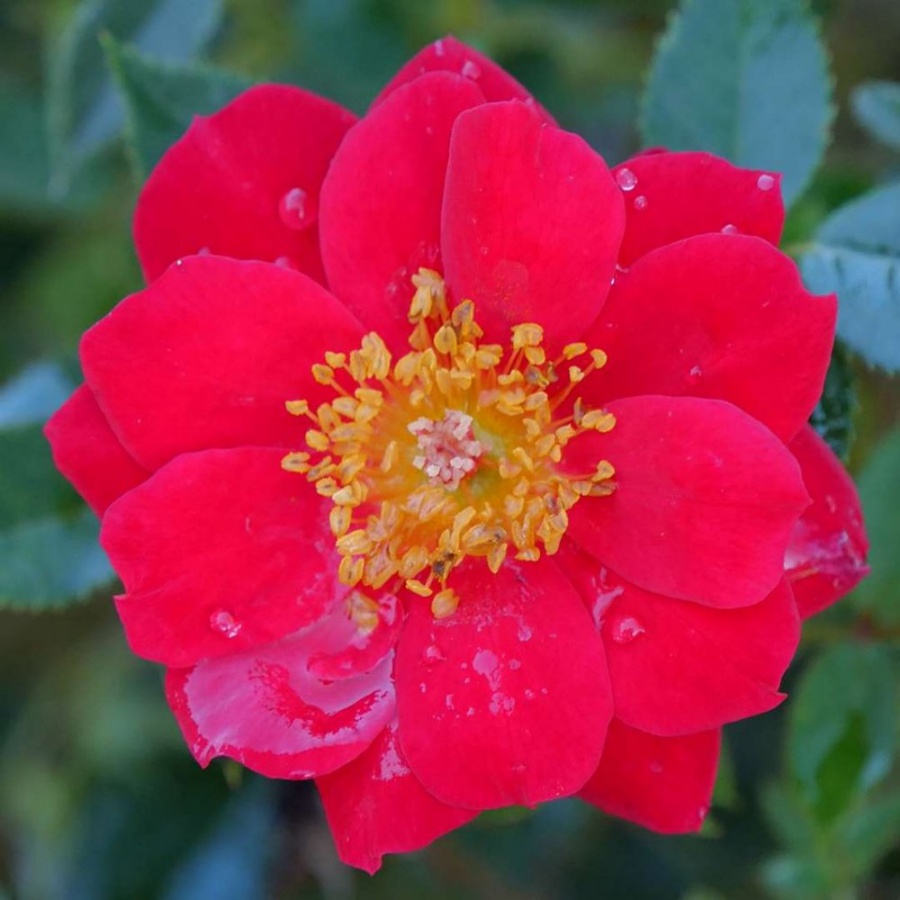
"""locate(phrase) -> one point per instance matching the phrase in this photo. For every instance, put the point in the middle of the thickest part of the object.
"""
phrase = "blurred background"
(98, 796)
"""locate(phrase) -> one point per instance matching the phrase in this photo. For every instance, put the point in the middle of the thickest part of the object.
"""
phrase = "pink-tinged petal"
(220, 551)
(661, 783)
(705, 500)
(381, 201)
(531, 223)
(826, 556)
(208, 354)
(671, 196)
(450, 55)
(263, 708)
(87, 452)
(506, 701)
(679, 667)
(722, 317)
(244, 183)
(376, 805)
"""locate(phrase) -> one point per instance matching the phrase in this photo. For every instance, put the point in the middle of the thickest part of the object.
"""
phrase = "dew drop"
(296, 209)
(225, 623)
(729, 229)
(626, 630)
(433, 654)
(640, 202)
(695, 374)
(626, 179)
(439, 47)
(471, 70)
(765, 182)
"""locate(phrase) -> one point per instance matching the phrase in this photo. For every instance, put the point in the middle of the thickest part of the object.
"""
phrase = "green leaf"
(856, 253)
(161, 99)
(50, 563)
(83, 111)
(842, 729)
(35, 393)
(872, 832)
(833, 415)
(879, 488)
(746, 79)
(876, 105)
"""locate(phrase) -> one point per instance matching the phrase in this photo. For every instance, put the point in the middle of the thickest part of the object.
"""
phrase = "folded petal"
(717, 316)
(381, 201)
(87, 452)
(376, 805)
(705, 500)
(243, 182)
(517, 192)
(826, 556)
(671, 196)
(661, 783)
(263, 708)
(450, 55)
(219, 551)
(506, 701)
(678, 667)
(208, 354)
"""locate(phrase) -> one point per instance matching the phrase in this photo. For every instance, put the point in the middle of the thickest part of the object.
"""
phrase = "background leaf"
(877, 108)
(856, 253)
(746, 79)
(161, 99)
(833, 415)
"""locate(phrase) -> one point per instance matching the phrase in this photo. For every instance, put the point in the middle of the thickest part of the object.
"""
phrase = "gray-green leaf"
(877, 108)
(856, 253)
(746, 79)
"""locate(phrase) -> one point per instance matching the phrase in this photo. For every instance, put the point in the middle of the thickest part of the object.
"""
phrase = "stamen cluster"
(452, 450)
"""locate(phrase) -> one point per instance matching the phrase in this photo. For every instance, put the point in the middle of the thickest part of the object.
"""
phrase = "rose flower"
(447, 467)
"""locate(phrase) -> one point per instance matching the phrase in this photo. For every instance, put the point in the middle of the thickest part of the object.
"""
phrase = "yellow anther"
(528, 334)
(413, 561)
(599, 420)
(327, 417)
(445, 340)
(576, 374)
(513, 506)
(350, 467)
(363, 612)
(295, 462)
(390, 457)
(488, 356)
(508, 469)
(335, 360)
(321, 469)
(496, 555)
(564, 434)
(530, 554)
(297, 407)
(316, 440)
(570, 351)
(605, 471)
(339, 520)
(505, 379)
(532, 428)
(417, 587)
(349, 495)
(545, 445)
(535, 355)
(345, 406)
(444, 603)
(535, 401)
(369, 396)
(326, 487)
(350, 570)
(599, 358)
(323, 374)
(354, 543)
(521, 456)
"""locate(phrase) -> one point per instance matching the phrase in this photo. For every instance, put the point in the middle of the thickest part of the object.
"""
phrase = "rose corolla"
(452, 469)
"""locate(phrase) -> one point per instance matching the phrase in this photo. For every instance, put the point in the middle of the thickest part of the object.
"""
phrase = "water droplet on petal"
(285, 262)
(296, 209)
(225, 623)
(626, 630)
(204, 251)
(729, 229)
(470, 70)
(640, 202)
(765, 182)
(626, 179)
(439, 47)
(695, 374)
(433, 654)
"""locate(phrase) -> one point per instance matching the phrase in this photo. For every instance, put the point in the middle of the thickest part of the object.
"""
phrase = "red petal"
(376, 805)
(226, 186)
(219, 551)
(705, 500)
(207, 356)
(679, 667)
(265, 709)
(670, 196)
(531, 223)
(826, 557)
(450, 55)
(381, 201)
(87, 452)
(661, 783)
(507, 700)
(717, 316)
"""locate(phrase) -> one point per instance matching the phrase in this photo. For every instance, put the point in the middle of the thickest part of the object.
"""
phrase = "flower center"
(454, 450)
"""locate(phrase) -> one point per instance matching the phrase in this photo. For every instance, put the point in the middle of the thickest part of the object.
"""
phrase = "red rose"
(498, 497)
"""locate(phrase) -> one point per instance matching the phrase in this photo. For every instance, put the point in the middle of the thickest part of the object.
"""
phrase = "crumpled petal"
(826, 556)
(661, 783)
(507, 700)
(243, 182)
(376, 805)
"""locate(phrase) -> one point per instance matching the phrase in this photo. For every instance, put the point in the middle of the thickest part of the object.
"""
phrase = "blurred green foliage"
(98, 796)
